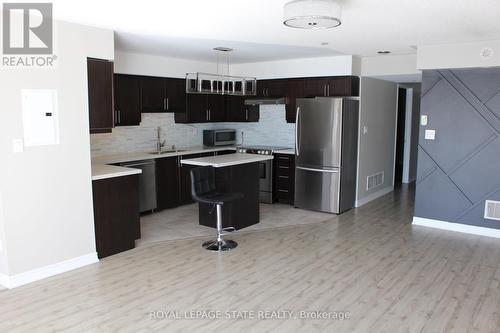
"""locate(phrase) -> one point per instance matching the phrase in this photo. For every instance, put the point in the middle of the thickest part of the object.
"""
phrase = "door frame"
(407, 135)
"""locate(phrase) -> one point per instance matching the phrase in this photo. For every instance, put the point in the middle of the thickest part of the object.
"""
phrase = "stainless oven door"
(266, 181)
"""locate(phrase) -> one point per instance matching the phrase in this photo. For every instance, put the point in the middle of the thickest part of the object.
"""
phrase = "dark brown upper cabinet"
(127, 100)
(295, 89)
(343, 86)
(163, 94)
(335, 86)
(237, 111)
(272, 88)
(175, 94)
(203, 108)
(315, 87)
(216, 108)
(100, 90)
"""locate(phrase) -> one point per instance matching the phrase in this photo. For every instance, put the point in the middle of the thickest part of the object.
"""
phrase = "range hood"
(266, 101)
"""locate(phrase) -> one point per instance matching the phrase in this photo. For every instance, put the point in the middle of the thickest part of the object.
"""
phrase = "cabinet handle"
(119, 117)
(328, 90)
(285, 191)
(324, 90)
(167, 104)
(283, 177)
(206, 115)
(246, 114)
(164, 104)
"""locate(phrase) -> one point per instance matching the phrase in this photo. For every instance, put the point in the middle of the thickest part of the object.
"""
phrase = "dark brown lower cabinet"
(240, 213)
(116, 214)
(284, 180)
(167, 182)
(225, 152)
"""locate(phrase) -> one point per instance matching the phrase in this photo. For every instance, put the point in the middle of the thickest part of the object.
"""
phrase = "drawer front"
(285, 178)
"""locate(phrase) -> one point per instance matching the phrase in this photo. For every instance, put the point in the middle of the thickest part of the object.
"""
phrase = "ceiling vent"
(374, 181)
(492, 210)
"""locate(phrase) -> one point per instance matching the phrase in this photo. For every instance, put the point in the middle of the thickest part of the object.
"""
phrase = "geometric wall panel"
(440, 198)
(460, 129)
(494, 105)
(460, 169)
(480, 175)
(425, 165)
(483, 82)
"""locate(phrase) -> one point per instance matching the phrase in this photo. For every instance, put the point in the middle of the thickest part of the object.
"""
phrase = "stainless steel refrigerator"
(326, 145)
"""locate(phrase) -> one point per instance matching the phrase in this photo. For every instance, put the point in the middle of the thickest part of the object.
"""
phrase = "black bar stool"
(203, 189)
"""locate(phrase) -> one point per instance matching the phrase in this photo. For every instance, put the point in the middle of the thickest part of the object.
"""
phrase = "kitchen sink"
(167, 151)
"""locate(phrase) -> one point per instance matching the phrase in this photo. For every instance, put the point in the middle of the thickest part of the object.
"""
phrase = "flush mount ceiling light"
(312, 14)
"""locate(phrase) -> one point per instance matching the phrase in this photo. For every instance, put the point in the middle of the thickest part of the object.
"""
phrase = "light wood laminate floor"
(182, 222)
(371, 262)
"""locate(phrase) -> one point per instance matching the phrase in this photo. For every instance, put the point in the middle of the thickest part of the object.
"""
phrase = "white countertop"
(138, 156)
(227, 160)
(103, 171)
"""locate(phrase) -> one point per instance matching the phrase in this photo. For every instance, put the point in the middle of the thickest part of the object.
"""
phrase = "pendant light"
(312, 14)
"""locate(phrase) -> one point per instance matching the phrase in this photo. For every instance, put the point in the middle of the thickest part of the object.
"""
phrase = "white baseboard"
(373, 196)
(468, 229)
(17, 280)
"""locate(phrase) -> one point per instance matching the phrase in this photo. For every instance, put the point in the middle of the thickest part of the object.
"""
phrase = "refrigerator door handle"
(297, 149)
(318, 170)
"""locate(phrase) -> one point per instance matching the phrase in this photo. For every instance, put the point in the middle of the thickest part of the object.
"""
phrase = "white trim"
(4, 280)
(47, 271)
(468, 229)
(373, 196)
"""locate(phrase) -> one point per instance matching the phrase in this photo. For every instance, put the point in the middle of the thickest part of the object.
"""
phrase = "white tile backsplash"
(272, 129)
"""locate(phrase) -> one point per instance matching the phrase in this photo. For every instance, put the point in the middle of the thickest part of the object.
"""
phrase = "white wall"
(47, 194)
(398, 68)
(320, 66)
(378, 109)
(464, 55)
(4, 269)
(144, 64)
(272, 129)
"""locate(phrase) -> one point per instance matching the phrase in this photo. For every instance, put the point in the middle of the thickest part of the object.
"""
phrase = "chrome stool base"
(223, 245)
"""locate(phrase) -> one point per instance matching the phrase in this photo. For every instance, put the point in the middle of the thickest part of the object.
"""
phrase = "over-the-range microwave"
(219, 137)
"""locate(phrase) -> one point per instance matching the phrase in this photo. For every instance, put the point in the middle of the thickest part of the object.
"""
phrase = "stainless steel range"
(265, 169)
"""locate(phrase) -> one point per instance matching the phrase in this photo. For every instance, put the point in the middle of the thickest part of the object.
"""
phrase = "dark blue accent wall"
(460, 169)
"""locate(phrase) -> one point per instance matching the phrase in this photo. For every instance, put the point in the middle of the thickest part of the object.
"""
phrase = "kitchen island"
(233, 173)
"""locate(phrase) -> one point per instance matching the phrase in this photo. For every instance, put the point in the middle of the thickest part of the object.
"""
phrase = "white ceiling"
(191, 28)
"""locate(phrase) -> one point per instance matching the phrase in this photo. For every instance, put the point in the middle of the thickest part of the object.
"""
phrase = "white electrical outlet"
(430, 134)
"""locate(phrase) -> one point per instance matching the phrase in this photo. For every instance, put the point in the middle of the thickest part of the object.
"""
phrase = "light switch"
(424, 120)
(17, 146)
(365, 129)
(430, 134)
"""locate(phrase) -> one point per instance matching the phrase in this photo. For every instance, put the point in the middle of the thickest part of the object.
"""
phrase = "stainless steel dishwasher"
(147, 183)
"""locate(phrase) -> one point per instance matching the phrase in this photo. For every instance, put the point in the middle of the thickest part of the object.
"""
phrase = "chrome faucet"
(159, 144)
